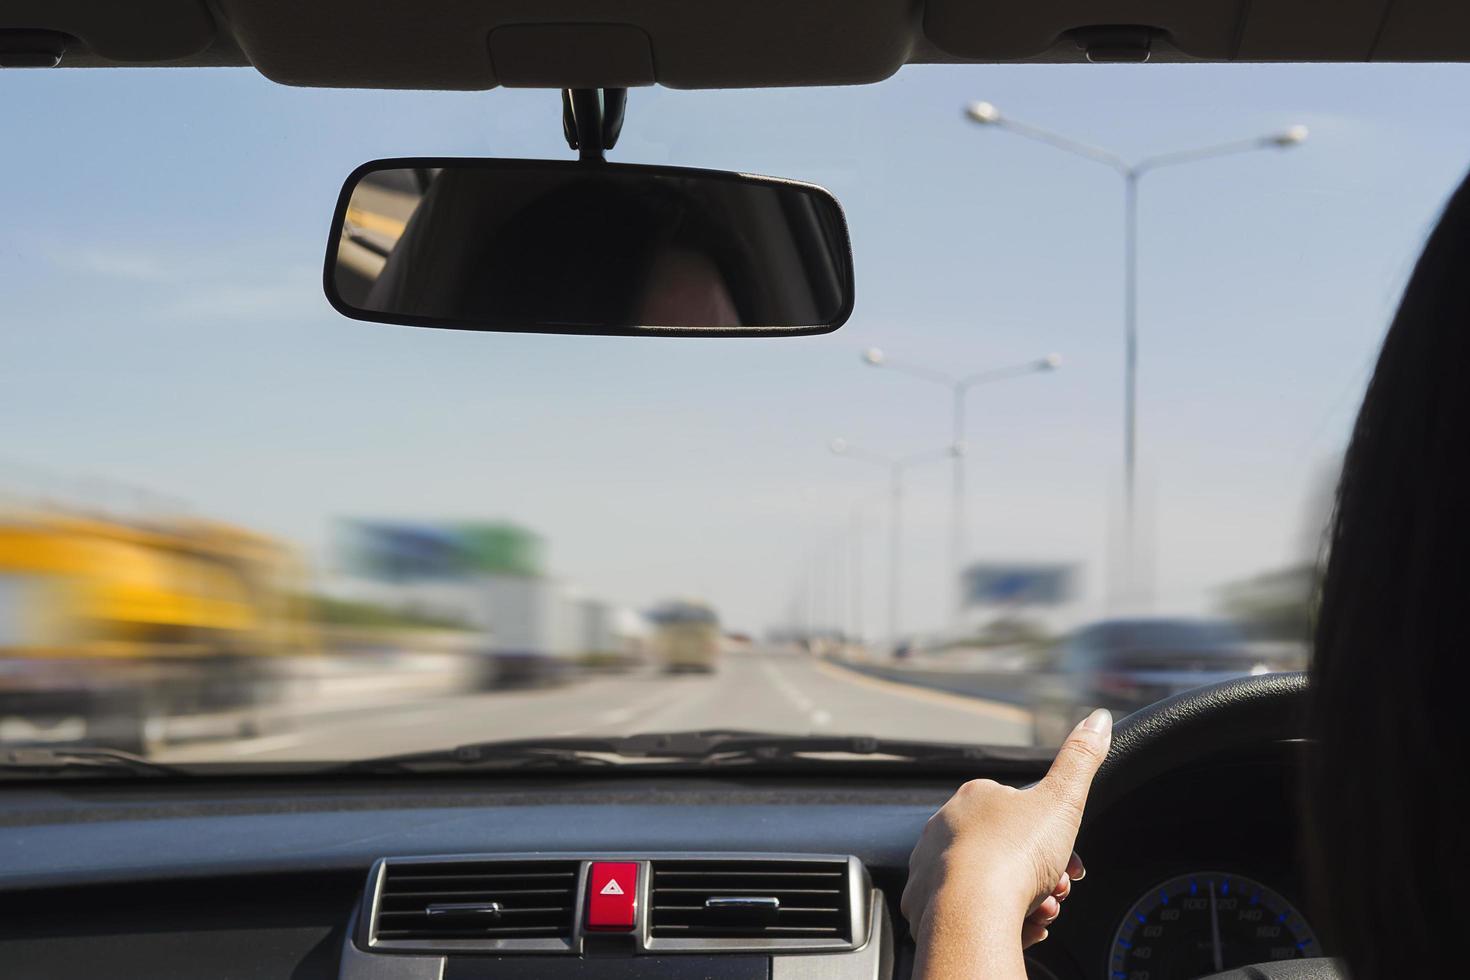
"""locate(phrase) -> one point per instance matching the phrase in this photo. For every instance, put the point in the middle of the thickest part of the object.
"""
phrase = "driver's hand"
(996, 861)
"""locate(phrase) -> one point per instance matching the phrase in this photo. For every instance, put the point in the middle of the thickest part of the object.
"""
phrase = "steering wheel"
(1234, 714)
(1170, 734)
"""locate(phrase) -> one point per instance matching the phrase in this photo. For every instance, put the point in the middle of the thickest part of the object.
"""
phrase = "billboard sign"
(402, 551)
(1019, 584)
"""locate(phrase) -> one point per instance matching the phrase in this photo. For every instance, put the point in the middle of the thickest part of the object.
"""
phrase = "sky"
(164, 326)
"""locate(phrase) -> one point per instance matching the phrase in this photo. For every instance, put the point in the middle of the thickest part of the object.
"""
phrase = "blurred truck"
(531, 628)
(108, 627)
(686, 637)
(517, 630)
(522, 626)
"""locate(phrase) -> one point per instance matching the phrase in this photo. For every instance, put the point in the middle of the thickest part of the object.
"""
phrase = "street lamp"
(895, 465)
(958, 387)
(986, 114)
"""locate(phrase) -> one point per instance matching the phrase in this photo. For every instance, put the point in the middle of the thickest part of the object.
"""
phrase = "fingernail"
(1100, 721)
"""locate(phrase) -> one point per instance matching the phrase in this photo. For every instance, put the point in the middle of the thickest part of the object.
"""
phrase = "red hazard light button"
(612, 895)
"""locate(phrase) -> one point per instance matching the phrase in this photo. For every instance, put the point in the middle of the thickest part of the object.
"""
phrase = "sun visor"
(1311, 30)
(1003, 32)
(136, 32)
(1205, 30)
(575, 43)
(1425, 30)
(571, 56)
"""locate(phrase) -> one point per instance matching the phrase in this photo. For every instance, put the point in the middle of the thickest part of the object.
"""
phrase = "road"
(763, 690)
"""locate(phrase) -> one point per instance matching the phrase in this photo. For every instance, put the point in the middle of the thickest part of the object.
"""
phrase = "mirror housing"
(547, 246)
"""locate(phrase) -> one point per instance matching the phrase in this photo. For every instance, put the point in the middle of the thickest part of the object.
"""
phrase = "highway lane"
(763, 690)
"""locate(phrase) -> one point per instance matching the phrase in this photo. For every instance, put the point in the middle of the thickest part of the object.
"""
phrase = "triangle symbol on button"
(611, 888)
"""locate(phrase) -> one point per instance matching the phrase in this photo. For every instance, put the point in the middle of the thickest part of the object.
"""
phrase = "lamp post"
(986, 114)
(855, 574)
(959, 386)
(896, 466)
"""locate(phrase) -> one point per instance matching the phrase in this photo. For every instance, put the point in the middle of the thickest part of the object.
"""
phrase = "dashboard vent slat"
(812, 899)
(521, 899)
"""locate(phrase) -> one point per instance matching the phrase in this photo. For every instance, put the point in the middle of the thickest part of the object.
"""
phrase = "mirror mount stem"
(592, 119)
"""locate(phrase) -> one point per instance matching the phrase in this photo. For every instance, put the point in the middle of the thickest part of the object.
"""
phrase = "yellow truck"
(686, 637)
(110, 627)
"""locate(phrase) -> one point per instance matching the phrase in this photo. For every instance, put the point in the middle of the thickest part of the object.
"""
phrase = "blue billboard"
(1019, 584)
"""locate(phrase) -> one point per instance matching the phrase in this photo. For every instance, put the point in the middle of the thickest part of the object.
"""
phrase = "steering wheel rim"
(1233, 714)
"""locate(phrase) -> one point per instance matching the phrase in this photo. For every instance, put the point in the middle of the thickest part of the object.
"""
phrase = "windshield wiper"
(742, 748)
(701, 749)
(30, 763)
(554, 753)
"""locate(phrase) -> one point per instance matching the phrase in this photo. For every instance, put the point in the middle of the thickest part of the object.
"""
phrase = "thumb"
(1077, 760)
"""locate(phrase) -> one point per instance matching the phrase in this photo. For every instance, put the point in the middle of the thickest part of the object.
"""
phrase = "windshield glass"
(239, 527)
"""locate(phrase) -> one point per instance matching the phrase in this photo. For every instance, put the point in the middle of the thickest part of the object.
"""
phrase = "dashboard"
(288, 878)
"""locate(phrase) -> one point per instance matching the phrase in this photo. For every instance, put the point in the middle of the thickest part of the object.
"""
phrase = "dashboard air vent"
(476, 900)
(750, 899)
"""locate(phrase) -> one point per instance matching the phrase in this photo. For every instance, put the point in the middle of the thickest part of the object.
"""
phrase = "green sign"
(501, 548)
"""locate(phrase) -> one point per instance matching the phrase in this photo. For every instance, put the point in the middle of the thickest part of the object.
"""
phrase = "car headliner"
(479, 44)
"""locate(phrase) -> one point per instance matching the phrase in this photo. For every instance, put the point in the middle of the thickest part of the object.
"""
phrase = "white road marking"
(410, 718)
(615, 716)
(789, 691)
(618, 716)
(266, 743)
(699, 690)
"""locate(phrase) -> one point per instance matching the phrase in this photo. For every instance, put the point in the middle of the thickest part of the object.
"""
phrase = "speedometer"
(1205, 922)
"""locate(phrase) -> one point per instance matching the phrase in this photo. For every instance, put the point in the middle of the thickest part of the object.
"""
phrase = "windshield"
(239, 527)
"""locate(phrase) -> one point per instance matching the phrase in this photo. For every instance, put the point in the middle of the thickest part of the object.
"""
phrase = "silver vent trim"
(476, 908)
(821, 903)
(522, 904)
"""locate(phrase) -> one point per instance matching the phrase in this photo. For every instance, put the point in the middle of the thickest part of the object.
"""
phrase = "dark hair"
(1385, 820)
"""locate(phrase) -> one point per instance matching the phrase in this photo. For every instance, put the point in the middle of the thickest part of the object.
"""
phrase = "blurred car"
(1127, 664)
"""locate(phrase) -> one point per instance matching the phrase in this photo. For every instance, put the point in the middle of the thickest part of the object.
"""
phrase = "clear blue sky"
(164, 324)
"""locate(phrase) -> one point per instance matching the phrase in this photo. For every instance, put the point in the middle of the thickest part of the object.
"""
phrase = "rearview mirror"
(587, 248)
